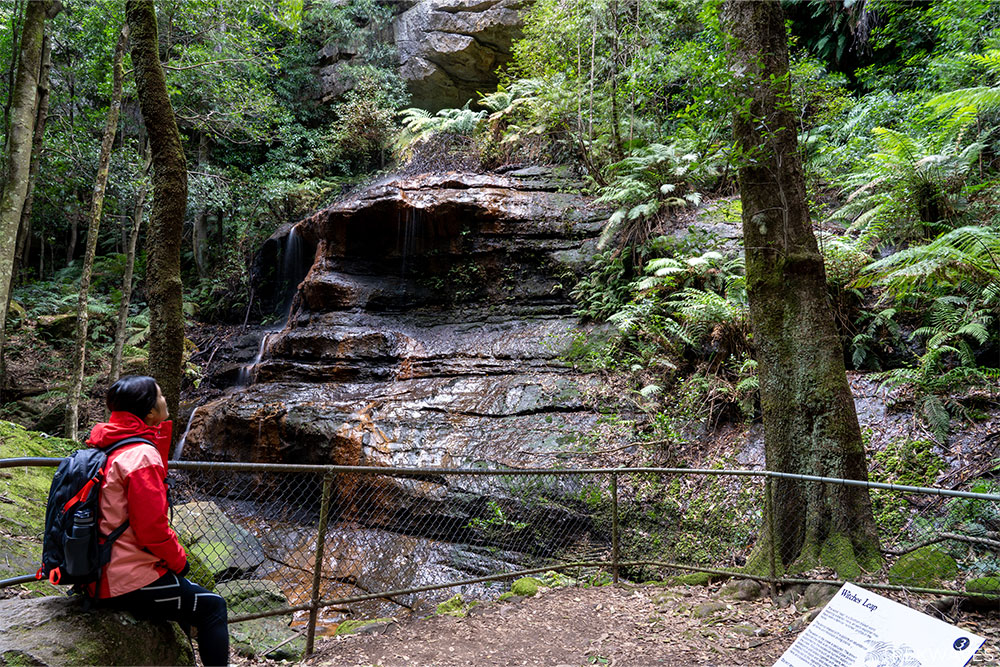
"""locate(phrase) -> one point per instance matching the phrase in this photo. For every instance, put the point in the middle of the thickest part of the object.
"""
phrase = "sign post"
(858, 628)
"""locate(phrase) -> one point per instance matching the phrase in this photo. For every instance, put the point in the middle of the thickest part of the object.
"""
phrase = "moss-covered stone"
(989, 585)
(26, 490)
(56, 631)
(526, 587)
(552, 579)
(351, 626)
(694, 579)
(454, 606)
(506, 596)
(925, 567)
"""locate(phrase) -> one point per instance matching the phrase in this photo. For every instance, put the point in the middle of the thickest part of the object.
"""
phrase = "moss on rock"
(989, 585)
(526, 587)
(694, 579)
(925, 567)
(26, 490)
(351, 626)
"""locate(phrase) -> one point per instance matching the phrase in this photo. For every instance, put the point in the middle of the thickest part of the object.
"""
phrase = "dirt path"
(624, 625)
(627, 625)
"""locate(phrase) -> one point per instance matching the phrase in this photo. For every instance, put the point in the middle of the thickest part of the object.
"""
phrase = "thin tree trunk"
(122, 328)
(593, 60)
(199, 235)
(24, 97)
(96, 207)
(41, 118)
(615, 55)
(810, 424)
(17, 26)
(163, 265)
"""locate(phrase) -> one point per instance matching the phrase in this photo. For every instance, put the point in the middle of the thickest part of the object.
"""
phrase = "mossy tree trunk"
(23, 105)
(93, 227)
(810, 424)
(163, 248)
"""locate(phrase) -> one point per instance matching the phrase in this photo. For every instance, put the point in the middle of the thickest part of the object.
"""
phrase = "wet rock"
(272, 635)
(57, 631)
(224, 548)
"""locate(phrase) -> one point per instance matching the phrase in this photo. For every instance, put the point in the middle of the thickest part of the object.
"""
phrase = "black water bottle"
(81, 545)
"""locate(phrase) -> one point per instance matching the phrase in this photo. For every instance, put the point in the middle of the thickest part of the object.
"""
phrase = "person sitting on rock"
(145, 575)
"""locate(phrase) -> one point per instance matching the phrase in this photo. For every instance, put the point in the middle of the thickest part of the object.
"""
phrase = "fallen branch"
(982, 541)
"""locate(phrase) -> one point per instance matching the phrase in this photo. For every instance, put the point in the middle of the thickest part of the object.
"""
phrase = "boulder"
(225, 549)
(925, 567)
(449, 50)
(271, 637)
(57, 327)
(57, 631)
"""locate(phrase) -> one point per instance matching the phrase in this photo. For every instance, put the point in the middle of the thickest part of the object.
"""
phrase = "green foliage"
(907, 462)
(909, 188)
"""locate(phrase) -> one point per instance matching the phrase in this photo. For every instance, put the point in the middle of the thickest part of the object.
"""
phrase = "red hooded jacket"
(134, 489)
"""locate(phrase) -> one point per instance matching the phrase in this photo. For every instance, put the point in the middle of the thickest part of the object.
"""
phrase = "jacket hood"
(123, 425)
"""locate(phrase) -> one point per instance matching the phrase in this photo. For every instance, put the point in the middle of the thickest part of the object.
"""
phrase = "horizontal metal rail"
(419, 472)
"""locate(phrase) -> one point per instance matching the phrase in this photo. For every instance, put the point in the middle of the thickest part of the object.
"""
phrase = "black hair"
(132, 393)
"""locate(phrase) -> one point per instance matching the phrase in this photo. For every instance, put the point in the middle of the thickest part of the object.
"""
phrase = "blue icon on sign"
(961, 643)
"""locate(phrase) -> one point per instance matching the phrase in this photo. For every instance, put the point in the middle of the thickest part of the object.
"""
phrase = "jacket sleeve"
(147, 514)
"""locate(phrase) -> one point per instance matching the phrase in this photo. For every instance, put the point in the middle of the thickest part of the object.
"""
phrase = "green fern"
(909, 184)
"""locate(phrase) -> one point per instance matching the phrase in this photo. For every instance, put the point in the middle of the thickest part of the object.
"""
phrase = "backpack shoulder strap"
(134, 440)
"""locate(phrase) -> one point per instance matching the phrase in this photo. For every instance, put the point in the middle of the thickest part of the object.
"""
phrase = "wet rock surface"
(428, 332)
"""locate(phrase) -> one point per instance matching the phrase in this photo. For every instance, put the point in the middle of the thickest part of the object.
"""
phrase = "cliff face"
(449, 50)
(428, 331)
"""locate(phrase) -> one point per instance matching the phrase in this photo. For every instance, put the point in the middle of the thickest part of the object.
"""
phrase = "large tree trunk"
(163, 264)
(24, 98)
(93, 227)
(810, 424)
(123, 307)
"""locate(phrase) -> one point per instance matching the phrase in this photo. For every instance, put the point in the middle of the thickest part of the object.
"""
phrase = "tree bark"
(24, 97)
(93, 227)
(38, 141)
(163, 264)
(810, 423)
(133, 237)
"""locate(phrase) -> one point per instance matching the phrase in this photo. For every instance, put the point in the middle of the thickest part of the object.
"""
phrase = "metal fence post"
(614, 527)
(324, 516)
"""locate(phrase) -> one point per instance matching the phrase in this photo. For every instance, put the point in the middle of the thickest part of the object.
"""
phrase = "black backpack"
(72, 552)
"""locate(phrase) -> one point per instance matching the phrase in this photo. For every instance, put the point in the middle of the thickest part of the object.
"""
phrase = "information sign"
(861, 629)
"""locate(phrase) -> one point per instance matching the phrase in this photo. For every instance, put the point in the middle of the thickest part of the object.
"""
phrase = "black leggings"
(174, 598)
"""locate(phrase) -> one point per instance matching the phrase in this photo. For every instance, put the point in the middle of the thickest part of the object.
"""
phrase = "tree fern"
(969, 254)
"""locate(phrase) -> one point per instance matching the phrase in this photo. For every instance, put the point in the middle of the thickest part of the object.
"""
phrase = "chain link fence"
(322, 544)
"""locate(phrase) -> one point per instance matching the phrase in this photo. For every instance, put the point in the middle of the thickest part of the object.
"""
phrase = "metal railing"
(324, 543)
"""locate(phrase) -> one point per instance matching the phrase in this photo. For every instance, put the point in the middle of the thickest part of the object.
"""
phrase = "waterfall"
(179, 448)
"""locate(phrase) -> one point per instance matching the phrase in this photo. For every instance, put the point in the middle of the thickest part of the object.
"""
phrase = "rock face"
(449, 50)
(427, 332)
(57, 631)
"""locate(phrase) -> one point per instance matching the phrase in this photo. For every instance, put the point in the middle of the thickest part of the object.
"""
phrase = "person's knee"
(212, 608)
